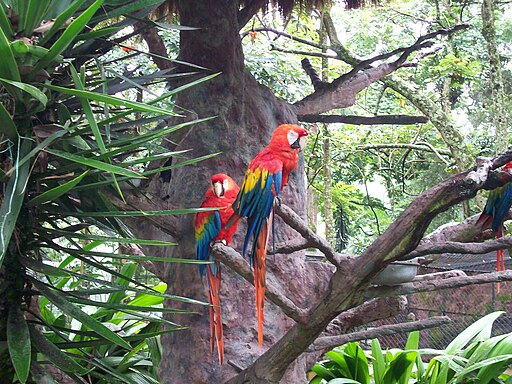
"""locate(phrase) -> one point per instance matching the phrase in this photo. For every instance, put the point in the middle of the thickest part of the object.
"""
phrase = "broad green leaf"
(480, 328)
(13, 198)
(18, 341)
(68, 36)
(35, 12)
(143, 107)
(92, 163)
(343, 381)
(65, 306)
(54, 354)
(54, 193)
(378, 363)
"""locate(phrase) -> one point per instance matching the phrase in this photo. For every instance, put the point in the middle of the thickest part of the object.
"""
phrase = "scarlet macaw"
(497, 206)
(209, 228)
(264, 179)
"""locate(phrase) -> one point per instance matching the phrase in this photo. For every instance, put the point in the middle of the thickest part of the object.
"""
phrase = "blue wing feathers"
(211, 229)
(256, 204)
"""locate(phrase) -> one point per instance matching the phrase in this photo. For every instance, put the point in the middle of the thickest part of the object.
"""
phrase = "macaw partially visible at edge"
(264, 179)
(496, 208)
(210, 228)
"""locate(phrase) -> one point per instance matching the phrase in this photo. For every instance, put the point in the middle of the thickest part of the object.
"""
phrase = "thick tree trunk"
(246, 114)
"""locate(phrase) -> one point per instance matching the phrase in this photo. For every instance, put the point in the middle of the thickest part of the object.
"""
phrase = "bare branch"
(364, 120)
(329, 342)
(294, 245)
(418, 147)
(294, 221)
(436, 285)
(237, 263)
(304, 53)
(456, 247)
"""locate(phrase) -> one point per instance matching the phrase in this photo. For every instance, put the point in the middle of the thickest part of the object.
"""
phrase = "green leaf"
(54, 354)
(55, 193)
(92, 163)
(8, 126)
(5, 23)
(60, 20)
(127, 9)
(13, 199)
(121, 240)
(89, 114)
(18, 341)
(143, 107)
(480, 328)
(343, 381)
(65, 306)
(378, 363)
(30, 89)
(68, 36)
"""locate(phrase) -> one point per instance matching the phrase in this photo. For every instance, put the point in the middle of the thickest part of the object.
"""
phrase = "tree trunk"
(246, 114)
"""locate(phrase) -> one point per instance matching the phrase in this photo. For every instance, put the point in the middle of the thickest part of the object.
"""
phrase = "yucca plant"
(65, 148)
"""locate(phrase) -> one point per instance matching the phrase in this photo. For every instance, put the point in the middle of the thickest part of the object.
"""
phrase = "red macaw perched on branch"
(264, 179)
(493, 215)
(210, 227)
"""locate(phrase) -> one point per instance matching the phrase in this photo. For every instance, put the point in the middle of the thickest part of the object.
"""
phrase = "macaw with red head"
(264, 179)
(496, 208)
(210, 227)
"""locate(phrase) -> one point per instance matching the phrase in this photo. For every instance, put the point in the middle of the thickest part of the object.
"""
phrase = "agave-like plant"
(67, 299)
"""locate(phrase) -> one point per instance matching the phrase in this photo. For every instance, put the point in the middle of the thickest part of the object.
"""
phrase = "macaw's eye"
(292, 138)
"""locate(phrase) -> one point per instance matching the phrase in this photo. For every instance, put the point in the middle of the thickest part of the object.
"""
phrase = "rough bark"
(246, 114)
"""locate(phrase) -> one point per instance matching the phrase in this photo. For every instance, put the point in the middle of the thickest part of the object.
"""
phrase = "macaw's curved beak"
(218, 189)
(300, 143)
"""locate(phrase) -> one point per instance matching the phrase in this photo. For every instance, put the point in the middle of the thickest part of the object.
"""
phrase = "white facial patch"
(302, 142)
(292, 137)
(218, 189)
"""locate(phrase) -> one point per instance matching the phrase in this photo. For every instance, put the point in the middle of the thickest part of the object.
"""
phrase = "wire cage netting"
(462, 305)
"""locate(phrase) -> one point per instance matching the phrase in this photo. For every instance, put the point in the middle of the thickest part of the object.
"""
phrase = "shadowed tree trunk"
(246, 114)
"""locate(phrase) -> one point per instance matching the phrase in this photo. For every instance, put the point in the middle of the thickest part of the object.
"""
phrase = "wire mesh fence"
(463, 305)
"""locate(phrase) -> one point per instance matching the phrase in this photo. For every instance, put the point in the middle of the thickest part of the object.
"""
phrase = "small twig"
(328, 342)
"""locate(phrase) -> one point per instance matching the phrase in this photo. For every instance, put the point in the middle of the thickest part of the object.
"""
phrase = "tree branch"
(420, 147)
(237, 263)
(436, 285)
(364, 120)
(328, 342)
(294, 221)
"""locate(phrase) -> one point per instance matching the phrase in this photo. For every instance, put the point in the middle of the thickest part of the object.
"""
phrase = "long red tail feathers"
(216, 331)
(260, 270)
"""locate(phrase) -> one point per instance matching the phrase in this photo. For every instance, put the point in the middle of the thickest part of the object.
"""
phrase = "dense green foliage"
(70, 282)
(473, 356)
